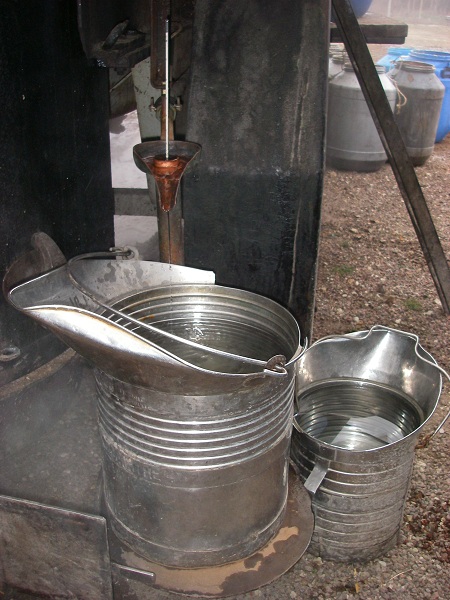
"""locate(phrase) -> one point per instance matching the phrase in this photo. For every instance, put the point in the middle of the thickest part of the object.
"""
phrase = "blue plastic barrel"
(439, 58)
(392, 55)
(441, 61)
(360, 7)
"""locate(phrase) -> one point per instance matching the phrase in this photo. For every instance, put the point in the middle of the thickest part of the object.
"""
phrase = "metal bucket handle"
(320, 469)
(275, 366)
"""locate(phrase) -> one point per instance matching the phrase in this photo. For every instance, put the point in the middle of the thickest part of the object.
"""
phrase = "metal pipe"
(166, 120)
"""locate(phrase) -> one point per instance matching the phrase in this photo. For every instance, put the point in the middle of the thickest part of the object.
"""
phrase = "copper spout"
(149, 157)
(167, 174)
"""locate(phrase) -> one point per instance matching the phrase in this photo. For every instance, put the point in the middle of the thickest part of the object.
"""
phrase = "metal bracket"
(316, 477)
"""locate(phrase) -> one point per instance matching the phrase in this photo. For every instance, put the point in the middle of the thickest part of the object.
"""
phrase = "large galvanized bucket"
(195, 400)
(197, 479)
(363, 400)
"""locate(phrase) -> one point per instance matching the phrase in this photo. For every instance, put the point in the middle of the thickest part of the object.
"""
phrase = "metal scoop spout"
(163, 327)
(151, 158)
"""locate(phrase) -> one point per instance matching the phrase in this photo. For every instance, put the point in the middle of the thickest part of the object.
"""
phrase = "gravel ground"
(372, 271)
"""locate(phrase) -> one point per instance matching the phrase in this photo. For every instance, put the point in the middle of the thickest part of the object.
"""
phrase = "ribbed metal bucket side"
(200, 443)
(359, 506)
(195, 480)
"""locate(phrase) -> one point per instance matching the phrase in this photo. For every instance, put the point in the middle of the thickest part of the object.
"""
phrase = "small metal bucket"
(362, 400)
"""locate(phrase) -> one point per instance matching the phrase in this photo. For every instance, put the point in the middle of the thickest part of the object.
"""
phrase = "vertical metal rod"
(170, 224)
(389, 8)
(167, 86)
(166, 125)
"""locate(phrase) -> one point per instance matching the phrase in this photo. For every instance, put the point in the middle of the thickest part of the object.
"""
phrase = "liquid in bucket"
(357, 415)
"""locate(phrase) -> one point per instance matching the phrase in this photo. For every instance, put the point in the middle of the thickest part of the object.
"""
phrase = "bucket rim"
(362, 335)
(212, 290)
